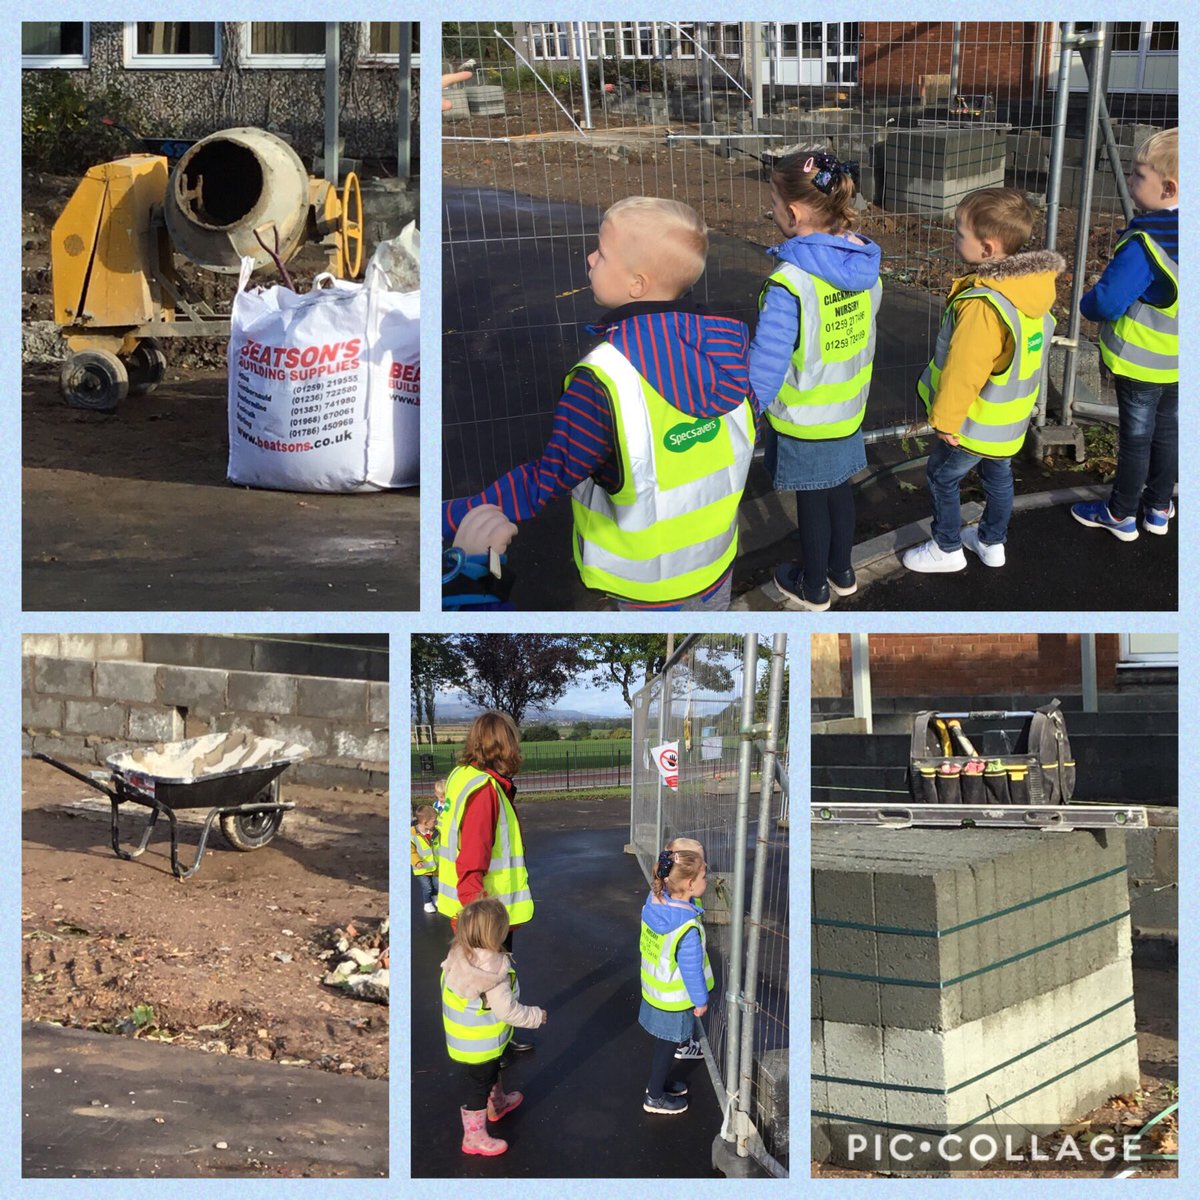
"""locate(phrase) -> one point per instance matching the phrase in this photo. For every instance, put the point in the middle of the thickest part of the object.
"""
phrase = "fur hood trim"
(1028, 262)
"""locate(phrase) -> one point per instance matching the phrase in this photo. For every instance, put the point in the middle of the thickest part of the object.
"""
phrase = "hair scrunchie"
(666, 860)
(827, 169)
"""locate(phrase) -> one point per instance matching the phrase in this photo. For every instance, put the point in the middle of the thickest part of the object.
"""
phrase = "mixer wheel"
(146, 366)
(95, 380)
(351, 231)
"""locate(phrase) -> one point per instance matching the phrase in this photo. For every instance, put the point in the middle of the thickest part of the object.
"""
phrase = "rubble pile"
(358, 962)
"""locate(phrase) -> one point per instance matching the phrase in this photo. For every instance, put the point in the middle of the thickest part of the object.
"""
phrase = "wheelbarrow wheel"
(94, 379)
(252, 831)
(146, 367)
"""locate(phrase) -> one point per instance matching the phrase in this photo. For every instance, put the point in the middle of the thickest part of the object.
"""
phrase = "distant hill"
(455, 713)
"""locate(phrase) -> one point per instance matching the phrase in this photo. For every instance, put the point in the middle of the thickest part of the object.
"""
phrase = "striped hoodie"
(699, 363)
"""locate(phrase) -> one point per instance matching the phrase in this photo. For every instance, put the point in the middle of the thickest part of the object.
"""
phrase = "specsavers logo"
(1035, 341)
(687, 433)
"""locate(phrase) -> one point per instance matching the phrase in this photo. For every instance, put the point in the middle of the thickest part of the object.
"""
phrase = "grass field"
(584, 755)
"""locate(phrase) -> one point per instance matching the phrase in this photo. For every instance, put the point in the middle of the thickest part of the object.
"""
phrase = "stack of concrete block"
(964, 980)
(931, 170)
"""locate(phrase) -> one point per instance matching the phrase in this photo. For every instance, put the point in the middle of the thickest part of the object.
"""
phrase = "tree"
(540, 733)
(582, 731)
(514, 672)
(624, 659)
(433, 665)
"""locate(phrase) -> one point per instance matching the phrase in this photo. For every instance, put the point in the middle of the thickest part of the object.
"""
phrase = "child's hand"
(485, 528)
(545, 1015)
(951, 439)
(701, 1010)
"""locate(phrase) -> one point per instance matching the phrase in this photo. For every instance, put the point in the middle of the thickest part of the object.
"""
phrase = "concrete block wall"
(83, 709)
(963, 978)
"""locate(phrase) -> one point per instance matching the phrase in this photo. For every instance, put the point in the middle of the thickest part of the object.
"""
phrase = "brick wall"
(994, 56)
(918, 664)
(83, 709)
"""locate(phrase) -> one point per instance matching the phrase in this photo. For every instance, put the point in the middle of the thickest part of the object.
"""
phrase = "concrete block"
(253, 692)
(334, 774)
(63, 676)
(45, 645)
(101, 646)
(95, 718)
(130, 681)
(337, 699)
(214, 651)
(155, 724)
(313, 734)
(379, 703)
(41, 712)
(193, 688)
(70, 749)
(771, 1077)
(366, 744)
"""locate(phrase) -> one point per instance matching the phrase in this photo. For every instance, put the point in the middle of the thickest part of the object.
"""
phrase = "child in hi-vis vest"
(810, 365)
(480, 1006)
(423, 853)
(676, 975)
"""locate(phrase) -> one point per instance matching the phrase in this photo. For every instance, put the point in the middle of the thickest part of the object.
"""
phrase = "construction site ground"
(131, 510)
(219, 970)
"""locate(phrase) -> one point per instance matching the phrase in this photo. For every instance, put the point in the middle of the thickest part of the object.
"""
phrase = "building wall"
(195, 102)
(912, 664)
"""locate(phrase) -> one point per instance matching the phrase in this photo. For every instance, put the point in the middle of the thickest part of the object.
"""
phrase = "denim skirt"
(670, 1026)
(799, 465)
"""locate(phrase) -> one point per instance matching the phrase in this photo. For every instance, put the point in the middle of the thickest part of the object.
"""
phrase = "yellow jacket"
(981, 344)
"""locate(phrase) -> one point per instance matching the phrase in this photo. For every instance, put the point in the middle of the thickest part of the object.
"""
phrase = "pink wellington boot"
(501, 1102)
(476, 1139)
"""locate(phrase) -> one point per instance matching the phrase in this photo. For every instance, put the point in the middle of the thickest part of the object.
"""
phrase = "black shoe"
(669, 1105)
(675, 1088)
(789, 579)
(844, 583)
(518, 1047)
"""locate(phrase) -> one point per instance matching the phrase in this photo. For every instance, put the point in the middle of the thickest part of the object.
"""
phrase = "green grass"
(588, 754)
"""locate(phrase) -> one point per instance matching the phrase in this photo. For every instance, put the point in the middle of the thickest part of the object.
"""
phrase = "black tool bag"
(954, 761)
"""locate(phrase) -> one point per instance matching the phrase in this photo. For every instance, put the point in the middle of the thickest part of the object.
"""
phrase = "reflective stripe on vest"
(662, 981)
(506, 879)
(671, 529)
(473, 1033)
(426, 855)
(824, 394)
(999, 416)
(1143, 342)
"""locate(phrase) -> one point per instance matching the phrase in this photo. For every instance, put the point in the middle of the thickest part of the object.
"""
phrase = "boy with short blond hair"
(423, 852)
(654, 430)
(1136, 302)
(981, 387)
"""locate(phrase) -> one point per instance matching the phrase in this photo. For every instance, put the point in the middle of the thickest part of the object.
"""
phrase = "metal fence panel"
(698, 703)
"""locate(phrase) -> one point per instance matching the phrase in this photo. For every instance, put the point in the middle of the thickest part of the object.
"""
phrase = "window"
(1164, 37)
(54, 44)
(810, 39)
(383, 42)
(172, 44)
(789, 42)
(1126, 36)
(731, 40)
(285, 44)
(681, 42)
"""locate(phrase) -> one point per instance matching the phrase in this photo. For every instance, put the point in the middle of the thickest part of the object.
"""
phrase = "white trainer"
(930, 558)
(990, 556)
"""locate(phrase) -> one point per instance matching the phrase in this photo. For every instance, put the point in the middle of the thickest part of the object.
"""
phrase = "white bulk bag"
(324, 388)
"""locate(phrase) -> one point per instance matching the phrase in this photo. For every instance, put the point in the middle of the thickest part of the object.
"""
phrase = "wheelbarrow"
(234, 775)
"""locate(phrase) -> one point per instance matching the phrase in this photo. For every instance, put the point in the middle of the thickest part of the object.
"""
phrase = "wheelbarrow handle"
(112, 795)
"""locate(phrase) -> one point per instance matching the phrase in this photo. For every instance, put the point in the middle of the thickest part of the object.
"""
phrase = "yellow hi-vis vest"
(671, 530)
(662, 981)
(506, 879)
(426, 862)
(999, 415)
(473, 1033)
(1143, 342)
(824, 394)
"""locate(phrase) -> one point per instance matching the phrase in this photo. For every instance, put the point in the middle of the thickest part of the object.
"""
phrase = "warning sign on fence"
(666, 759)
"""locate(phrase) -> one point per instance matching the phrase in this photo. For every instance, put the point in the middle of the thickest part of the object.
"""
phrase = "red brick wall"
(958, 664)
(994, 56)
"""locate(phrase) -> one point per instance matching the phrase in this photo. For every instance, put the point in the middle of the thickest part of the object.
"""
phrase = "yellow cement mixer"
(116, 289)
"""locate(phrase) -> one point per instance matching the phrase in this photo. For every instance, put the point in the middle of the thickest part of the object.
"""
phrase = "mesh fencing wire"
(557, 767)
(697, 703)
(929, 111)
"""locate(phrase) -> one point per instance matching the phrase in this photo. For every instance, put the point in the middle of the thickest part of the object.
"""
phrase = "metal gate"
(726, 708)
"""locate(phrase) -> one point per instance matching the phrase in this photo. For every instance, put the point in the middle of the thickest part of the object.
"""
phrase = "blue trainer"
(1095, 514)
(1158, 520)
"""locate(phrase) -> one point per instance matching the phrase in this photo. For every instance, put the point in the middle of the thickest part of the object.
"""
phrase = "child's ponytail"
(674, 868)
(825, 186)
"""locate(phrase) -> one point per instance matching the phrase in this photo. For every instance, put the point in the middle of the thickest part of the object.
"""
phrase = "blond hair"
(683, 861)
(493, 743)
(439, 788)
(1160, 152)
(667, 238)
(793, 179)
(1002, 214)
(481, 925)
(424, 812)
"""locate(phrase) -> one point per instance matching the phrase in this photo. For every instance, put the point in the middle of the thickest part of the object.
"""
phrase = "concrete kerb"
(879, 557)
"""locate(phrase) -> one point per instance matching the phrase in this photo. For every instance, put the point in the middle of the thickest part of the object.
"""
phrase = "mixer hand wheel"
(350, 231)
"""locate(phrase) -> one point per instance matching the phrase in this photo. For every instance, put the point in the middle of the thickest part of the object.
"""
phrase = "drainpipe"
(333, 56)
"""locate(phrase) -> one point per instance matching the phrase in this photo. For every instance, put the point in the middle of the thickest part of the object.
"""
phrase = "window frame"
(68, 62)
(371, 58)
(131, 60)
(294, 62)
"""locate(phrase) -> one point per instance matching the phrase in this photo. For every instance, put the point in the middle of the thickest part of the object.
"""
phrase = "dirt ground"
(226, 962)
(131, 510)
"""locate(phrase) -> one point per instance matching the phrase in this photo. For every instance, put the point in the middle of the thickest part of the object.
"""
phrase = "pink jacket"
(488, 976)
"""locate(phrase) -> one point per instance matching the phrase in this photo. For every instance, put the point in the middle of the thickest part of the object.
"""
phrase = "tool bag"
(949, 764)
(325, 387)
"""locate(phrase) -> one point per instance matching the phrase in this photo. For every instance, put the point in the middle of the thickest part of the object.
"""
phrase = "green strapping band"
(930, 1091)
(1003, 912)
(942, 984)
(990, 1112)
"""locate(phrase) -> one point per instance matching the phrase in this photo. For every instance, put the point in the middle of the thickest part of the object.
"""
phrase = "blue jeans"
(1147, 446)
(428, 888)
(948, 467)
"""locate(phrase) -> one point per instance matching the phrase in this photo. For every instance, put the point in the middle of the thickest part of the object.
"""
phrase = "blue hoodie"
(663, 918)
(833, 258)
(1132, 274)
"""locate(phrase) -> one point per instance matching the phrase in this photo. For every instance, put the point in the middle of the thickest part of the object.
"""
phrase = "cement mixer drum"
(227, 186)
